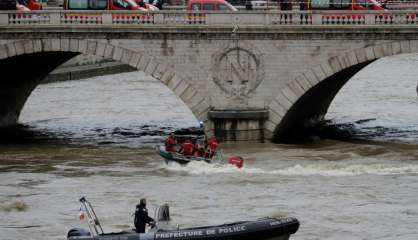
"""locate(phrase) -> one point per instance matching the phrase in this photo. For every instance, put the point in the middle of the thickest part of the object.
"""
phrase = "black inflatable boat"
(261, 229)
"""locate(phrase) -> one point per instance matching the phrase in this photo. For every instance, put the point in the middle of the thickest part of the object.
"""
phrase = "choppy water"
(95, 138)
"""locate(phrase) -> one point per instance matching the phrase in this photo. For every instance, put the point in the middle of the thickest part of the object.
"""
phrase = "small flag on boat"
(81, 214)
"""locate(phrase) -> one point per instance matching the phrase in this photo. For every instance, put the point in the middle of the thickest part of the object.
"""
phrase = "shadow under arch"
(305, 100)
(25, 63)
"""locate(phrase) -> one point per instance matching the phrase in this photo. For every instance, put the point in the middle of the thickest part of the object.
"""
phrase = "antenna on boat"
(92, 219)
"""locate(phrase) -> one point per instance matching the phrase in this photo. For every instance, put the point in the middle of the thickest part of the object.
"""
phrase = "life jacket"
(197, 152)
(170, 143)
(187, 148)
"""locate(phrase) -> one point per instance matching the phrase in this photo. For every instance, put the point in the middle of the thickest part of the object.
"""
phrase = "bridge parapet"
(182, 18)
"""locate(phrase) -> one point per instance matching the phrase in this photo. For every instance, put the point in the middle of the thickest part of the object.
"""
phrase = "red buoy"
(237, 161)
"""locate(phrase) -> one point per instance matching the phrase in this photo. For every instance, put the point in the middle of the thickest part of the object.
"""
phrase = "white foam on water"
(320, 169)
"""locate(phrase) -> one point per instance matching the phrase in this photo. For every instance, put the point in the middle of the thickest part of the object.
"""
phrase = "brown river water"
(95, 138)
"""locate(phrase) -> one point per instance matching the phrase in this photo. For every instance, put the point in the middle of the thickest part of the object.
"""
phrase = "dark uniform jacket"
(141, 218)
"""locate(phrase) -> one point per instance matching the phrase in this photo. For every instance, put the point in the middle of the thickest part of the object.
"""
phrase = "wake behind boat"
(261, 229)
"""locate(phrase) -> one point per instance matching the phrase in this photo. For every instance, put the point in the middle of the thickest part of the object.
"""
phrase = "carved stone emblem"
(237, 72)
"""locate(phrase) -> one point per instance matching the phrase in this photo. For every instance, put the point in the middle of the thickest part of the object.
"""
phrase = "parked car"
(30, 4)
(210, 5)
(100, 5)
(341, 5)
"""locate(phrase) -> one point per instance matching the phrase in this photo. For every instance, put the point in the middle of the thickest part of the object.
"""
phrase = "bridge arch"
(305, 100)
(41, 56)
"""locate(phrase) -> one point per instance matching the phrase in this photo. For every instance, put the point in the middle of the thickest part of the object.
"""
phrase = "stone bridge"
(247, 75)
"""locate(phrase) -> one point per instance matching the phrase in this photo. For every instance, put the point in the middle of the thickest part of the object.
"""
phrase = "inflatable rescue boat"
(183, 159)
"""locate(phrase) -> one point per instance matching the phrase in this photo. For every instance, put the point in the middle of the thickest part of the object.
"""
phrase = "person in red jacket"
(198, 151)
(186, 148)
(211, 147)
(170, 143)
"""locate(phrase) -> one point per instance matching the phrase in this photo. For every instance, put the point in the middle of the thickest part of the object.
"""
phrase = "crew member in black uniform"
(141, 216)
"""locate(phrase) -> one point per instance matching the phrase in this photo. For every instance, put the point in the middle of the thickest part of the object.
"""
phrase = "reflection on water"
(95, 138)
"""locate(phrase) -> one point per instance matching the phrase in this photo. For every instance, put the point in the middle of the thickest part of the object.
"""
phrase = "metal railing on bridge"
(183, 18)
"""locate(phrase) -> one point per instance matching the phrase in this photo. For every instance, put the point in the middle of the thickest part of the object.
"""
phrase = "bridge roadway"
(250, 76)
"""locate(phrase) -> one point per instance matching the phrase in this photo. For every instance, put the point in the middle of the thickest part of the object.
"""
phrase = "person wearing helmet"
(170, 143)
(187, 147)
(141, 216)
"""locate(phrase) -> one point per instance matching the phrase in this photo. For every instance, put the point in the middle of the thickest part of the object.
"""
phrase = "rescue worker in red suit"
(170, 143)
(187, 148)
(211, 147)
(198, 151)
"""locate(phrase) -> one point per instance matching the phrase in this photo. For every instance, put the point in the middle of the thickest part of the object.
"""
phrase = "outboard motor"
(77, 232)
(236, 161)
(163, 214)
(163, 218)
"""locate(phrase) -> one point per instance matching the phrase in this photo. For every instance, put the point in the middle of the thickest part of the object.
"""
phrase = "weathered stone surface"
(273, 70)
(74, 45)
(20, 49)
(65, 44)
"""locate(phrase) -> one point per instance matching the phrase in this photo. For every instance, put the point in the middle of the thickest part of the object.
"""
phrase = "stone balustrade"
(176, 18)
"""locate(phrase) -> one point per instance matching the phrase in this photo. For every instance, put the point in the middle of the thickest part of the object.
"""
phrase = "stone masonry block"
(202, 110)
(188, 93)
(108, 51)
(46, 45)
(134, 59)
(271, 126)
(160, 70)
(335, 64)
(3, 52)
(378, 51)
(172, 84)
(167, 76)
(126, 56)
(152, 65)
(268, 135)
(200, 107)
(143, 63)
(20, 49)
(327, 69)
(283, 101)
(303, 82)
(387, 49)
(28, 46)
(195, 100)
(65, 45)
(370, 53)
(352, 58)
(361, 55)
(82, 46)
(294, 86)
(180, 88)
(277, 108)
(413, 44)
(91, 47)
(37, 45)
(74, 45)
(319, 73)
(310, 76)
(405, 48)
(56, 44)
(117, 54)
(290, 94)
(100, 49)
(396, 48)
(273, 116)
(343, 61)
